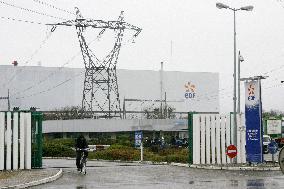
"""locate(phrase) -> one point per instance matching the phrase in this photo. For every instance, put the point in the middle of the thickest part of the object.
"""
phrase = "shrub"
(58, 148)
(117, 151)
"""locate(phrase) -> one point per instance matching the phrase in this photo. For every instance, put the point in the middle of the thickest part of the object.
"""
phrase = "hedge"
(124, 152)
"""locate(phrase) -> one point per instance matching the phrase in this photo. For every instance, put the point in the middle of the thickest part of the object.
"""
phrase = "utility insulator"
(15, 63)
(16, 109)
(33, 109)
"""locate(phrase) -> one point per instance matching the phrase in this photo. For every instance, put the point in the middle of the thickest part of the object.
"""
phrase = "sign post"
(139, 142)
(272, 148)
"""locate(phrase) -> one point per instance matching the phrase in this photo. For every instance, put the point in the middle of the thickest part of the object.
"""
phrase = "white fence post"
(228, 135)
(2, 140)
(218, 143)
(213, 138)
(22, 140)
(232, 128)
(28, 140)
(8, 142)
(243, 139)
(208, 133)
(15, 141)
(223, 139)
(238, 139)
(202, 136)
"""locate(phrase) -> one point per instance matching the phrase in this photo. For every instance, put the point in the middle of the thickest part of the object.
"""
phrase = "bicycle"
(83, 161)
(281, 159)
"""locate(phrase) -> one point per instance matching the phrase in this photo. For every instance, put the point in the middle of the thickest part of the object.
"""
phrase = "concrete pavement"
(27, 178)
(103, 174)
(53, 170)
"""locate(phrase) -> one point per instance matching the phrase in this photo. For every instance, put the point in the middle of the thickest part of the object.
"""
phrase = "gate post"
(37, 139)
(190, 138)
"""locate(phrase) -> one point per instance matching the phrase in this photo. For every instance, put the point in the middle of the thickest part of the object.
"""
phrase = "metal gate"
(211, 134)
(20, 140)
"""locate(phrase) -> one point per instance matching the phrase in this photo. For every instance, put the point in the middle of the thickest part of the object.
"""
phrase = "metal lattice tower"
(100, 94)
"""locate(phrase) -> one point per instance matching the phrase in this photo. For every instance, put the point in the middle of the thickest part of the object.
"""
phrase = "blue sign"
(253, 114)
(138, 138)
(272, 147)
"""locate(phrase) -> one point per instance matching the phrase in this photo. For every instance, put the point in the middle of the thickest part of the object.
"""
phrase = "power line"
(31, 57)
(48, 76)
(274, 86)
(20, 20)
(273, 70)
(54, 7)
(61, 67)
(30, 10)
(53, 87)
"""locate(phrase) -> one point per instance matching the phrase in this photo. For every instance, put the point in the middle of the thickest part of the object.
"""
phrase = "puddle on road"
(255, 184)
(191, 182)
(81, 187)
(250, 184)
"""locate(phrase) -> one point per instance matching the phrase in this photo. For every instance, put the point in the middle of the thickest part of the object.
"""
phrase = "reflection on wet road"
(126, 175)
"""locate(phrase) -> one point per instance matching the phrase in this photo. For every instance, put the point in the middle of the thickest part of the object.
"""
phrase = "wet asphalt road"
(131, 175)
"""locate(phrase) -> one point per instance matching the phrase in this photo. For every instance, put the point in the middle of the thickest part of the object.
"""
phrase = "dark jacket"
(81, 143)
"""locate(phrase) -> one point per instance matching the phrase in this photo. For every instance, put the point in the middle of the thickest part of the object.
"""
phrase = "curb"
(114, 161)
(212, 167)
(37, 182)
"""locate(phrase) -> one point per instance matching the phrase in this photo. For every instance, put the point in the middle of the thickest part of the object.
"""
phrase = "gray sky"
(201, 37)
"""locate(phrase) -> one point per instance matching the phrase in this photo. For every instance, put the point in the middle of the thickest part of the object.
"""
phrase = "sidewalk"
(27, 178)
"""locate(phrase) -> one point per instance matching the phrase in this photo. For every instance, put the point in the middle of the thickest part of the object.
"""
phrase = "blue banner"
(253, 114)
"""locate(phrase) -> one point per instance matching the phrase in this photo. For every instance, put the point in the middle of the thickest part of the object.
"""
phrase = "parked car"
(266, 140)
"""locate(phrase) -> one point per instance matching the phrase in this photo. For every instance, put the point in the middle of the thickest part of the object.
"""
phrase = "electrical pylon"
(100, 94)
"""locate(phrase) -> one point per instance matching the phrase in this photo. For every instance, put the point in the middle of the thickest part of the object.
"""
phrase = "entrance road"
(136, 176)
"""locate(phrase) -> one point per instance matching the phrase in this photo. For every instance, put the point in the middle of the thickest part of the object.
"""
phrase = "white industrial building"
(51, 88)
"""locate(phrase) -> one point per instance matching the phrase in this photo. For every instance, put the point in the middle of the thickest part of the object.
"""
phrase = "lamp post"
(246, 8)
(240, 59)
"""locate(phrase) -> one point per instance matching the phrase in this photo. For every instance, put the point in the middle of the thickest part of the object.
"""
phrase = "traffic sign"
(138, 138)
(231, 151)
(272, 147)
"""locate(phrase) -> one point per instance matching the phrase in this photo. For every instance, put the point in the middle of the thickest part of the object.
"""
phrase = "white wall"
(36, 86)
(113, 125)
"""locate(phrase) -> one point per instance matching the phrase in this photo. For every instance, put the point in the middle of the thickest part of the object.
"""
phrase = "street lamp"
(245, 8)
(240, 59)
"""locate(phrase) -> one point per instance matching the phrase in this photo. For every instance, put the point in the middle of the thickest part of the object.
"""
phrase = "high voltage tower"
(100, 94)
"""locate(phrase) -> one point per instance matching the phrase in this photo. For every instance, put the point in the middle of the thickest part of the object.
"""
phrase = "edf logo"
(251, 93)
(189, 90)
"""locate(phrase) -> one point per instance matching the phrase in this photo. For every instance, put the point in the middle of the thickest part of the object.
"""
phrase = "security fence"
(211, 134)
(20, 140)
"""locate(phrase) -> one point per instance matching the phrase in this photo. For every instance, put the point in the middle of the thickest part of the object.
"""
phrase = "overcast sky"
(187, 35)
